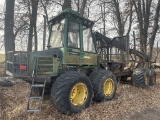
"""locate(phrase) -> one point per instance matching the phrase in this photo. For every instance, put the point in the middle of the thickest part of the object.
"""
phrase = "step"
(37, 85)
(45, 65)
(36, 97)
(33, 110)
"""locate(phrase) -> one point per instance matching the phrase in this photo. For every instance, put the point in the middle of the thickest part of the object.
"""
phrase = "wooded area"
(93, 47)
(25, 21)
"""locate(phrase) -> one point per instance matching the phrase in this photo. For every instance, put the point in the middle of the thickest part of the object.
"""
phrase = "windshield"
(56, 38)
(73, 35)
(88, 40)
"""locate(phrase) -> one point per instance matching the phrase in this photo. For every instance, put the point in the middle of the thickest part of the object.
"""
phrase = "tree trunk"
(83, 7)
(33, 22)
(130, 17)
(45, 11)
(9, 38)
(35, 37)
(103, 14)
(9, 24)
(30, 36)
(66, 4)
(44, 32)
(118, 16)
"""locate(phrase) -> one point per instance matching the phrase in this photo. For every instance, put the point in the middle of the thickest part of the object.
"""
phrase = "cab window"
(73, 35)
(88, 40)
(56, 37)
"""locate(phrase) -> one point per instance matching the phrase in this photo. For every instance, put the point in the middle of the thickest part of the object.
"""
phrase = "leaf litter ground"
(130, 103)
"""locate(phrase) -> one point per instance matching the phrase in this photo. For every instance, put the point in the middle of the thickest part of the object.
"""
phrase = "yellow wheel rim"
(108, 87)
(78, 94)
(146, 79)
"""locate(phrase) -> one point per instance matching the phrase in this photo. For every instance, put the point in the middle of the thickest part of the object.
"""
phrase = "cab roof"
(68, 13)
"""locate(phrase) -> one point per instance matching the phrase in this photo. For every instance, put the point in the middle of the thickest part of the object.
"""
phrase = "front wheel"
(71, 92)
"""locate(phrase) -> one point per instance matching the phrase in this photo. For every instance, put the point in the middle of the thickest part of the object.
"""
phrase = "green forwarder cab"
(70, 45)
(72, 36)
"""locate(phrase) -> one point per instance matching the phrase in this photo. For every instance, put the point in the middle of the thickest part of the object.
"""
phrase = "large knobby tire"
(71, 92)
(140, 77)
(152, 77)
(104, 85)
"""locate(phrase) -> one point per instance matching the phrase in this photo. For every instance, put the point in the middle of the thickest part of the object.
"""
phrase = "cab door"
(72, 55)
(90, 55)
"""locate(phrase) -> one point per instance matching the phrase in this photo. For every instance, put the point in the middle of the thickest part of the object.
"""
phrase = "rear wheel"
(140, 77)
(104, 85)
(71, 92)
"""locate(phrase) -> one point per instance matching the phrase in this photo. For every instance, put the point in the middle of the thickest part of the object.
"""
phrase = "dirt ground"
(130, 103)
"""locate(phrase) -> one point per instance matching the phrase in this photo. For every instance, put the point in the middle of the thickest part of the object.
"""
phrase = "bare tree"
(116, 14)
(32, 27)
(144, 14)
(121, 17)
(154, 29)
(44, 5)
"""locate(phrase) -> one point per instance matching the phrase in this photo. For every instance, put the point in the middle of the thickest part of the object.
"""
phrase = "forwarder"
(78, 65)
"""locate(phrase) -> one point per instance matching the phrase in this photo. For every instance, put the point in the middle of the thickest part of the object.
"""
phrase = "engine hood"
(54, 52)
